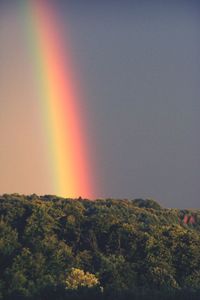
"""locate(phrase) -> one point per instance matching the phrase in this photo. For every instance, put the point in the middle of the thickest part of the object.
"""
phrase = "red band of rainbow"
(68, 153)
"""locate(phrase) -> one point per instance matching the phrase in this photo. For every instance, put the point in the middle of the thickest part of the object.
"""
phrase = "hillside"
(135, 249)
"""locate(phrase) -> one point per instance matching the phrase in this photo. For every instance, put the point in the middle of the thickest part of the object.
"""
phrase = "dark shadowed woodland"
(129, 249)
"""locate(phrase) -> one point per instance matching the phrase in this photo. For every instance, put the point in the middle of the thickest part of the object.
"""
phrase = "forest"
(113, 249)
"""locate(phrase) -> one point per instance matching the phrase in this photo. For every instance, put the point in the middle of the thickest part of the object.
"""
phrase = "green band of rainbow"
(68, 153)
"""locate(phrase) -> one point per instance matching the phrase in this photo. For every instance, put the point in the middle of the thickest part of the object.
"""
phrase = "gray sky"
(138, 62)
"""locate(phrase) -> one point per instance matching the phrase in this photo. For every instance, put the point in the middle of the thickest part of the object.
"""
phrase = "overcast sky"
(139, 65)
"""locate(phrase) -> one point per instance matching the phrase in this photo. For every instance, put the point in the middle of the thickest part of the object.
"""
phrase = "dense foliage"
(130, 249)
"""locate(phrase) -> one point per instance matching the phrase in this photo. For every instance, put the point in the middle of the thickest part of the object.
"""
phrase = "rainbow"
(67, 144)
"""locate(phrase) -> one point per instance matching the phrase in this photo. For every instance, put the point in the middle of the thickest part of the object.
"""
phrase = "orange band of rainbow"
(67, 142)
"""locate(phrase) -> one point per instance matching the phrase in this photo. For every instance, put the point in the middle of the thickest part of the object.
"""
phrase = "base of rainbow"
(67, 150)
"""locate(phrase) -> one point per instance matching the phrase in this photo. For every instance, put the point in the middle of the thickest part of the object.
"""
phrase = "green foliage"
(148, 203)
(55, 248)
(77, 278)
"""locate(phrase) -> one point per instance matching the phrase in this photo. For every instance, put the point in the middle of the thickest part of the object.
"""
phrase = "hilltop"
(130, 249)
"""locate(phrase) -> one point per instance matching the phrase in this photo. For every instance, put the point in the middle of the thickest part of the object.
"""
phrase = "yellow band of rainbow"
(68, 153)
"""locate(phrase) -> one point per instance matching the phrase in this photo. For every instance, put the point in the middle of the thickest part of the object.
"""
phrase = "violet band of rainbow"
(67, 141)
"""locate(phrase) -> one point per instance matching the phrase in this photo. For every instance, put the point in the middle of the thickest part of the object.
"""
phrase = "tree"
(77, 278)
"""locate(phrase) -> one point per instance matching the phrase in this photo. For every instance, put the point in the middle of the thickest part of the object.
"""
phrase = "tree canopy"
(55, 248)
